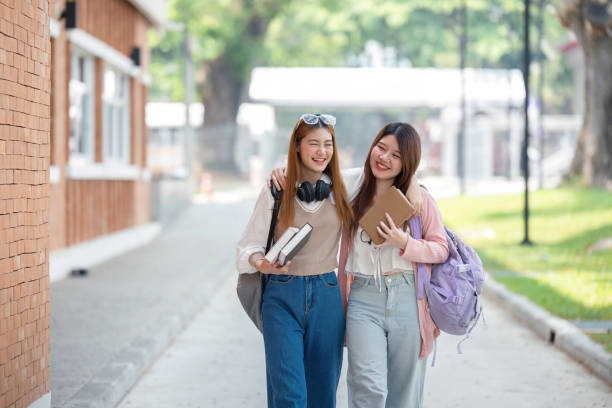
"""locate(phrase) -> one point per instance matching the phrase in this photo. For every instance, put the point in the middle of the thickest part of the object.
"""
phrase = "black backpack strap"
(278, 195)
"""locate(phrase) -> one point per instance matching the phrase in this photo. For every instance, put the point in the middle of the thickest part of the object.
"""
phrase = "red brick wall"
(24, 201)
(98, 207)
(118, 204)
(59, 146)
(112, 21)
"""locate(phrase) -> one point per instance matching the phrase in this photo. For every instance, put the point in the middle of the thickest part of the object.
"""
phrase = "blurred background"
(135, 135)
(453, 69)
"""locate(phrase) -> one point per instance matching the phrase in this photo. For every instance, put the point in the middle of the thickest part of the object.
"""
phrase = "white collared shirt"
(363, 257)
(255, 235)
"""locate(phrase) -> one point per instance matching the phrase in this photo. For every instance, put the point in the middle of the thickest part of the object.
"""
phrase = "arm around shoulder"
(353, 178)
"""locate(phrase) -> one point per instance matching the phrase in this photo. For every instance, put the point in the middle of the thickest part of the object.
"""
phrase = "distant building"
(374, 88)
(173, 177)
(166, 155)
(364, 99)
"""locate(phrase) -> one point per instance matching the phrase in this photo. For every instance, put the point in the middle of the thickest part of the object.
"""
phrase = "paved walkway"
(106, 330)
(218, 362)
(105, 327)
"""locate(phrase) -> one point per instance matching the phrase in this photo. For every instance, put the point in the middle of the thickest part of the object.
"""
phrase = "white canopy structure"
(172, 114)
(384, 87)
(154, 10)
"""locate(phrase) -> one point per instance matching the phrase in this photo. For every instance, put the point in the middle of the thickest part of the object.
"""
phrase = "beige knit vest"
(320, 254)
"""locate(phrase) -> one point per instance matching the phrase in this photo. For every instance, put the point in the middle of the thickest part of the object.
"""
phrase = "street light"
(525, 158)
(188, 87)
(461, 138)
(187, 47)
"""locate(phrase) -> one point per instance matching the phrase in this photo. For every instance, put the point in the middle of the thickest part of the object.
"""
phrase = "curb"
(112, 382)
(100, 249)
(553, 329)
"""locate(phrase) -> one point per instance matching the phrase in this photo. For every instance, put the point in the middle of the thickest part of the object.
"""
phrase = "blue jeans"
(303, 329)
(384, 341)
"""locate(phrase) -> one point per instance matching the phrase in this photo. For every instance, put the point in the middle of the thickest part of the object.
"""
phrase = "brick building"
(99, 77)
(73, 86)
(25, 88)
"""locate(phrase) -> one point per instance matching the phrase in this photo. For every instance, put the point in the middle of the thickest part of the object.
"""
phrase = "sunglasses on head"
(313, 119)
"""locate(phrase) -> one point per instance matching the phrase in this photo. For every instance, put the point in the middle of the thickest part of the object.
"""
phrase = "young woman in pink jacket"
(389, 332)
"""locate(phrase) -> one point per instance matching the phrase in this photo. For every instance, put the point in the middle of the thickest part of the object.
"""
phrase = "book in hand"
(295, 244)
(393, 202)
(289, 244)
(272, 254)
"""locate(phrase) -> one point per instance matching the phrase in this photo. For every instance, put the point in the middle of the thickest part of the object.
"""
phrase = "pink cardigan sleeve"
(344, 280)
(432, 248)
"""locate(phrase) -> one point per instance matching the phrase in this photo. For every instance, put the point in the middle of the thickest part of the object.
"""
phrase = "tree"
(233, 36)
(229, 37)
(591, 22)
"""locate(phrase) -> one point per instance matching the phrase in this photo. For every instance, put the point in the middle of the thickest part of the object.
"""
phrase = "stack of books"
(289, 244)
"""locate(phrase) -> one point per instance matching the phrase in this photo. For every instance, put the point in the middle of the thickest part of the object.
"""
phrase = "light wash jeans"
(383, 340)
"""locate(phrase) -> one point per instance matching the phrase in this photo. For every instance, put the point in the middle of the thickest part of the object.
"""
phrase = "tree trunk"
(222, 97)
(226, 88)
(593, 158)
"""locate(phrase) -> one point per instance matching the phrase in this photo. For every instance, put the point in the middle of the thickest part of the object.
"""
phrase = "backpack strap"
(423, 279)
(278, 195)
(416, 227)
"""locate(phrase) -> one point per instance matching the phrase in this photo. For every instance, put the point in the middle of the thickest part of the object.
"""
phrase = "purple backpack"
(455, 285)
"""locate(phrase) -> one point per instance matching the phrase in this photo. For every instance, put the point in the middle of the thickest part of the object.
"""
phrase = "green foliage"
(166, 66)
(233, 29)
(603, 338)
(557, 272)
(333, 33)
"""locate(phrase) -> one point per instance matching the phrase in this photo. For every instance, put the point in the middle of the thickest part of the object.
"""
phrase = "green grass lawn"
(556, 272)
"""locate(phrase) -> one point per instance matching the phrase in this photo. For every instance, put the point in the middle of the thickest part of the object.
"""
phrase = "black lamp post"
(462, 124)
(525, 158)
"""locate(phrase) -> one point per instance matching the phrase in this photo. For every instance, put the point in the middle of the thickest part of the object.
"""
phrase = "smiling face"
(385, 160)
(316, 149)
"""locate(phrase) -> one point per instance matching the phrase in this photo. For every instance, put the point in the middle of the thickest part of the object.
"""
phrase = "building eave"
(153, 10)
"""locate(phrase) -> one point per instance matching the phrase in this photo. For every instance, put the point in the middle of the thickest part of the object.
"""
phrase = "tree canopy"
(420, 33)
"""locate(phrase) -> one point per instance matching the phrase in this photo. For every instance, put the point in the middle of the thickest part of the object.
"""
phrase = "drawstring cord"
(379, 269)
(376, 260)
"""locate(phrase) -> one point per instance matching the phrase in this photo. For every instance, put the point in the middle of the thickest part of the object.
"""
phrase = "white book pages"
(295, 244)
(272, 254)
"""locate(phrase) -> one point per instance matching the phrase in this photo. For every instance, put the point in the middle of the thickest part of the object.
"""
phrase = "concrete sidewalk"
(218, 361)
(109, 327)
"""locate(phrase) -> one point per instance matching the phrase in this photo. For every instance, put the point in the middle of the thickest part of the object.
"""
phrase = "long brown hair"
(409, 144)
(286, 211)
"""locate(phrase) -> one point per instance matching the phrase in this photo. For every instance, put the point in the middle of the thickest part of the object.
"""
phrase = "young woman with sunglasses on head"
(389, 332)
(302, 315)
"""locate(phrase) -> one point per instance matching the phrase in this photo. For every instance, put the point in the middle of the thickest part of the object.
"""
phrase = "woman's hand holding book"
(264, 266)
(392, 234)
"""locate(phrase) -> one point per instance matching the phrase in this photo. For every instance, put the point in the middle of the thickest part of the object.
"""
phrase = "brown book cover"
(393, 202)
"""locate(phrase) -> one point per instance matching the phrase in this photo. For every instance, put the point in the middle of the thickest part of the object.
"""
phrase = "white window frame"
(107, 170)
(116, 135)
(86, 89)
